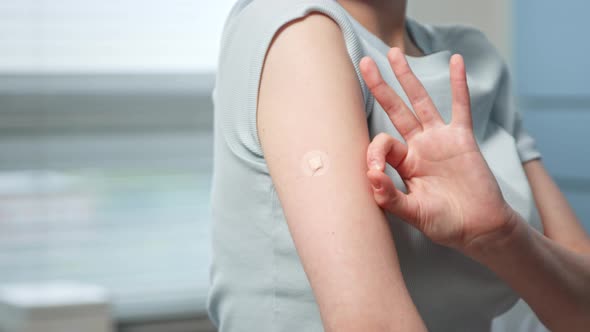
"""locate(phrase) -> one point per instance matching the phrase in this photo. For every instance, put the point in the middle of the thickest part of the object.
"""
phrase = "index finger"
(402, 118)
(419, 98)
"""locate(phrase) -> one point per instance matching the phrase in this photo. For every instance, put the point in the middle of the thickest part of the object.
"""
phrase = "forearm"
(559, 220)
(553, 280)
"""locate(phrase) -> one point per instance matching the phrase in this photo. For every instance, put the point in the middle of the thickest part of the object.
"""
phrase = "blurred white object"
(39, 196)
(520, 318)
(54, 307)
(111, 36)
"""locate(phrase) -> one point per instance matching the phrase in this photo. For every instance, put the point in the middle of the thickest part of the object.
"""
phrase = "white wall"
(492, 17)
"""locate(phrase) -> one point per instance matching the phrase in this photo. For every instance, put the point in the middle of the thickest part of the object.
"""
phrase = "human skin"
(309, 99)
(564, 238)
(454, 199)
(386, 20)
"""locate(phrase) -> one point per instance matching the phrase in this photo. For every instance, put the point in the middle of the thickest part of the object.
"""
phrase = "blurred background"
(105, 147)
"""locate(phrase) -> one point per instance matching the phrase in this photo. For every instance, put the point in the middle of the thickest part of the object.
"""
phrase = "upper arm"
(310, 99)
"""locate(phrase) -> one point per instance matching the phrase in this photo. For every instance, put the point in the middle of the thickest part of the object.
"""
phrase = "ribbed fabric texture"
(257, 281)
(248, 33)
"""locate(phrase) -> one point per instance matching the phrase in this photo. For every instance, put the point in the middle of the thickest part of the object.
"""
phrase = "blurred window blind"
(555, 95)
(105, 147)
(93, 35)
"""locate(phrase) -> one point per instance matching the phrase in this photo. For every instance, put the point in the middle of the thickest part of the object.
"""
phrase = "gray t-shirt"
(257, 280)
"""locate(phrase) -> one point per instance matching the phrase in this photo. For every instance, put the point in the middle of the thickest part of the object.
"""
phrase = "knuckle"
(374, 159)
(421, 101)
(404, 70)
(378, 84)
(381, 137)
(382, 200)
(379, 144)
(372, 155)
(395, 107)
(392, 201)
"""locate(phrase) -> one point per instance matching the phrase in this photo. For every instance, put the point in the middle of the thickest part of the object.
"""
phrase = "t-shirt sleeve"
(247, 36)
(506, 114)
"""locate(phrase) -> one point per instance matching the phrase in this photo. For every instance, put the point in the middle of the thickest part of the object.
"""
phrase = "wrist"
(500, 239)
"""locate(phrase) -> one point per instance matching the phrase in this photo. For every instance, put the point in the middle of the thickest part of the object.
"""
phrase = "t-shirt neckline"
(416, 32)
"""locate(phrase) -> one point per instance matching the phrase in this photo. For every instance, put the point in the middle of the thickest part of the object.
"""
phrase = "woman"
(299, 241)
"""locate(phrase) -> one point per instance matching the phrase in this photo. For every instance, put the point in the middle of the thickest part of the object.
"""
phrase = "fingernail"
(375, 165)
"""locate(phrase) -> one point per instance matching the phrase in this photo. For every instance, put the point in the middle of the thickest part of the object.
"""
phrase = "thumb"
(391, 199)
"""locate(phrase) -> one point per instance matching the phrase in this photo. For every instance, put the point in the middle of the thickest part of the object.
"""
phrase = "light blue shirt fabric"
(257, 281)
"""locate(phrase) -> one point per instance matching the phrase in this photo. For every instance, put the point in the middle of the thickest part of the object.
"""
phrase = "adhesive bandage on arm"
(315, 163)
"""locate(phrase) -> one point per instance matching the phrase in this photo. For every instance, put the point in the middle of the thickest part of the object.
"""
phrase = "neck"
(386, 19)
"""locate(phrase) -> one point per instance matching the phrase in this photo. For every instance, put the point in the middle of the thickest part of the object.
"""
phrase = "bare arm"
(559, 220)
(310, 100)
(454, 199)
(552, 279)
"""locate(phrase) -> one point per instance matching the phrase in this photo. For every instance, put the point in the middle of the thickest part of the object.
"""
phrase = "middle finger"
(419, 98)
(400, 115)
